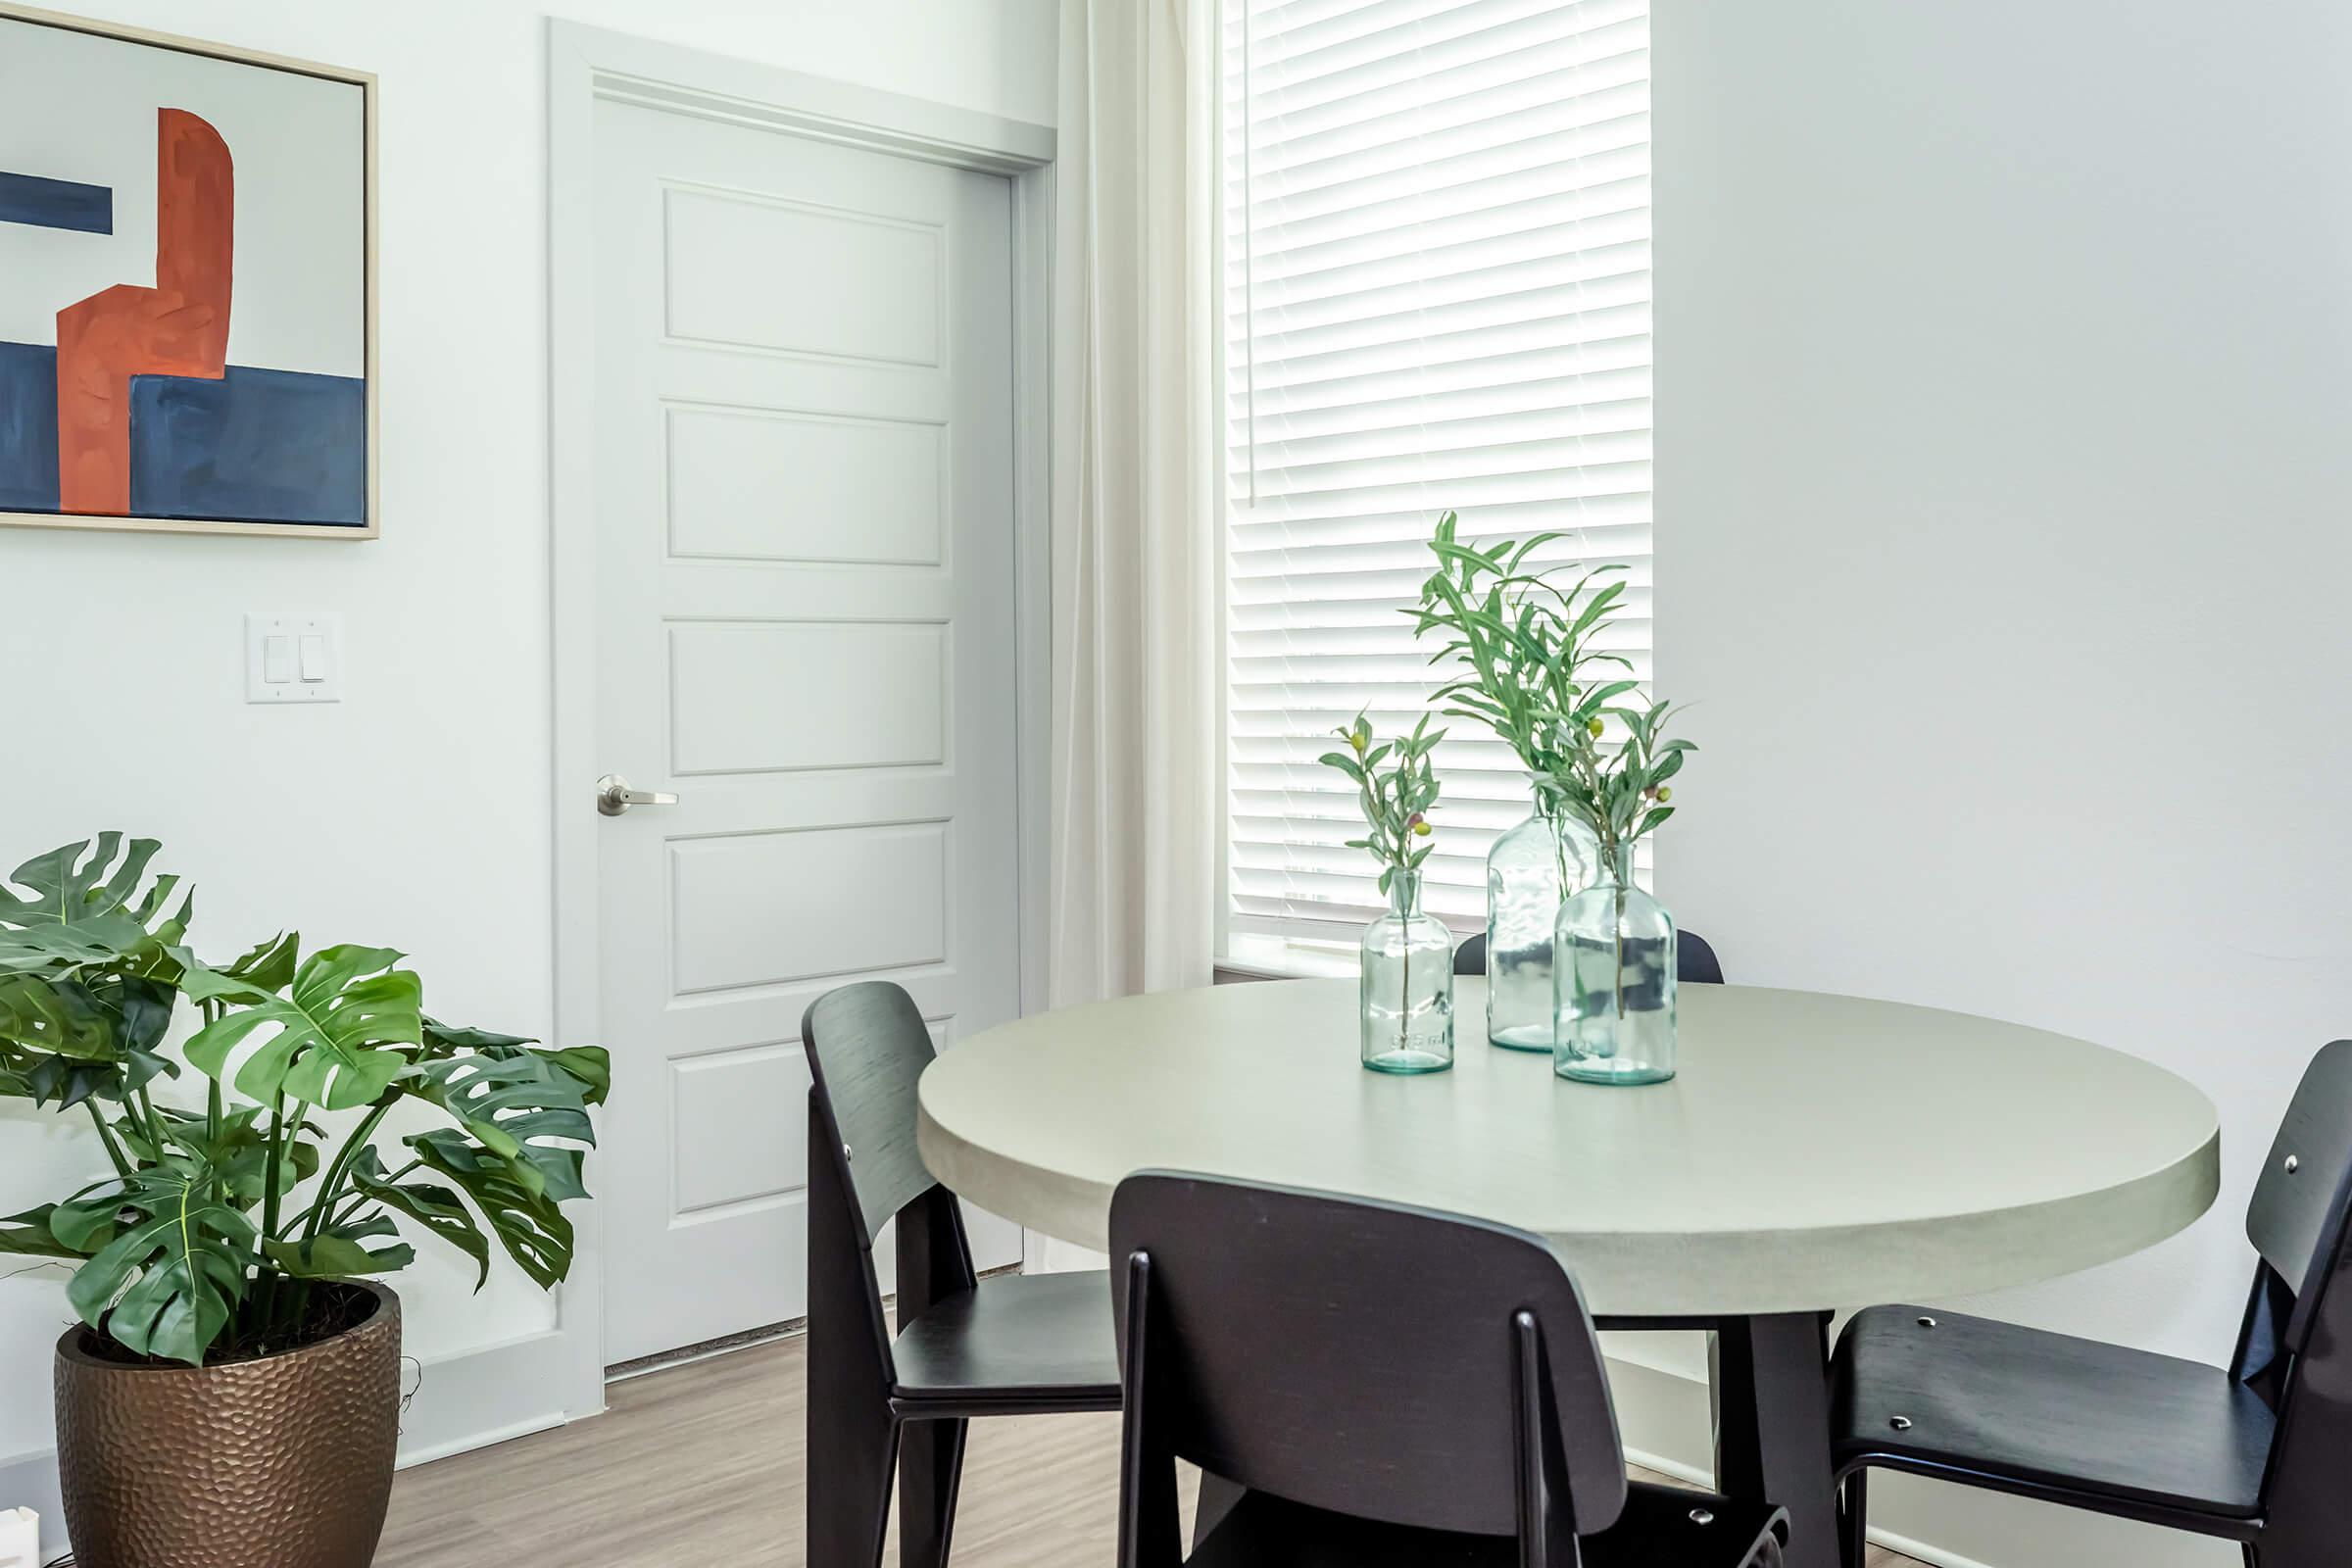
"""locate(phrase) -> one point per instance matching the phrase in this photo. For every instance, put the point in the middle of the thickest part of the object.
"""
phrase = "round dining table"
(1814, 1152)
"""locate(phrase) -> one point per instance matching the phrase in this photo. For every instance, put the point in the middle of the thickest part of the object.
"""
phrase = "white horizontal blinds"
(1437, 271)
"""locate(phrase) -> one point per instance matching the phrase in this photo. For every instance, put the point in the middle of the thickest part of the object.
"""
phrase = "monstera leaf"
(591, 1065)
(30, 1235)
(344, 1007)
(173, 1266)
(509, 1098)
(340, 1252)
(44, 1012)
(268, 964)
(82, 907)
(58, 1081)
(87, 971)
(67, 1040)
(437, 1209)
(451, 1039)
(528, 1224)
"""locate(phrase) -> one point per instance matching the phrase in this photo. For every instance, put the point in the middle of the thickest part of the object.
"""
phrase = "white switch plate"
(315, 678)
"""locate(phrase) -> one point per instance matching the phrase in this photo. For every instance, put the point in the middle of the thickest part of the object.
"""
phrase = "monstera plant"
(248, 1191)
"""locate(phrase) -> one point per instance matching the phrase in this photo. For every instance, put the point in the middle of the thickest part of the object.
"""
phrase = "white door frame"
(587, 64)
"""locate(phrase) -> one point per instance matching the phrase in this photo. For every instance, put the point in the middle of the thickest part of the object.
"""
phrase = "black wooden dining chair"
(1015, 1345)
(1694, 960)
(1382, 1387)
(2257, 1453)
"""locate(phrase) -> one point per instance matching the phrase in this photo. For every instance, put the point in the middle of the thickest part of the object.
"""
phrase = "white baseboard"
(460, 1403)
(1664, 1419)
(1043, 1255)
(485, 1396)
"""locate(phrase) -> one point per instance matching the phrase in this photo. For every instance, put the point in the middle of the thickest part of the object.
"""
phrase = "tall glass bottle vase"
(1406, 990)
(1529, 872)
(1615, 983)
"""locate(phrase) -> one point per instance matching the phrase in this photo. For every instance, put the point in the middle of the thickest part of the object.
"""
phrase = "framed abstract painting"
(187, 285)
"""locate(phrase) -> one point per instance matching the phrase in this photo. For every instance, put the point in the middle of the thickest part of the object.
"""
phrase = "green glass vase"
(1529, 871)
(1406, 990)
(1613, 982)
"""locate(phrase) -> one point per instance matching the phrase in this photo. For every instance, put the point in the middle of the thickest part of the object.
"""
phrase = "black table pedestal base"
(1769, 1378)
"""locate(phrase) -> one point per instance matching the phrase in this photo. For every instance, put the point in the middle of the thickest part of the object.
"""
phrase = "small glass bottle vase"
(1614, 981)
(1407, 987)
(1529, 871)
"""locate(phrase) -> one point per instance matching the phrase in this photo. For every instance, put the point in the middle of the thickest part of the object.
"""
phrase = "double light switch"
(292, 658)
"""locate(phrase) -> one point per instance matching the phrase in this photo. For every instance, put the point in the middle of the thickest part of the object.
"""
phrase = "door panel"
(865, 693)
(892, 472)
(804, 602)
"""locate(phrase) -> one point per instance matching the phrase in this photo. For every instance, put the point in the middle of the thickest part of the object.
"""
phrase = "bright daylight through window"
(1436, 286)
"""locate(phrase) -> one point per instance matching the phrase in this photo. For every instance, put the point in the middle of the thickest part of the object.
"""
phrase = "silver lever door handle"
(613, 796)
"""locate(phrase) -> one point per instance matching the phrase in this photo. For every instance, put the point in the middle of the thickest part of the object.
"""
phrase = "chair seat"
(1660, 1527)
(1043, 1338)
(2047, 1414)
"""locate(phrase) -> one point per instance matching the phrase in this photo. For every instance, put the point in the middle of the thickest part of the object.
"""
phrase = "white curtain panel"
(1136, 709)
(1136, 712)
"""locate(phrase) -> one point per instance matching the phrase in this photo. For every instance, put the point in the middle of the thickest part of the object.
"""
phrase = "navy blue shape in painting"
(256, 446)
(28, 428)
(56, 204)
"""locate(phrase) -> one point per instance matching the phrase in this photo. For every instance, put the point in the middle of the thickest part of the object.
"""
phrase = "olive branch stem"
(1395, 801)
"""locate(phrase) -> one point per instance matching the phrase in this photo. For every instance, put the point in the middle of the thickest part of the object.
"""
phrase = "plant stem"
(106, 1136)
(266, 1296)
(360, 1201)
(1404, 972)
(153, 1121)
(213, 1109)
(274, 1178)
(1621, 950)
(322, 1206)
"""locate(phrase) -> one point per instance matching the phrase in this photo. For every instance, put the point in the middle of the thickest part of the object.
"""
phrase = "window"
(1437, 288)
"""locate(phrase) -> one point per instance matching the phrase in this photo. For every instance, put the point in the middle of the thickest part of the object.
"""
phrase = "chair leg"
(849, 1465)
(1853, 1521)
(1770, 1386)
(930, 1464)
(852, 1435)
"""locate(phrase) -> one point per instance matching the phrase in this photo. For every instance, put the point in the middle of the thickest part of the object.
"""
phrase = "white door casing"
(805, 627)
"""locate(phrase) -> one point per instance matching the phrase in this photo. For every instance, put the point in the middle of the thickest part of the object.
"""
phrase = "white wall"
(417, 812)
(2004, 456)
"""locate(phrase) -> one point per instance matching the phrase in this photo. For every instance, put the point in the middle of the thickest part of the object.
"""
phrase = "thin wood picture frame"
(263, 393)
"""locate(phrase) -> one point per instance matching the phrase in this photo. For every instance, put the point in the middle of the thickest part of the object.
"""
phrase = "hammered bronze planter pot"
(278, 1464)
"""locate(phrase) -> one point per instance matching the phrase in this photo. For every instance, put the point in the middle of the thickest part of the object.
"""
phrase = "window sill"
(1258, 956)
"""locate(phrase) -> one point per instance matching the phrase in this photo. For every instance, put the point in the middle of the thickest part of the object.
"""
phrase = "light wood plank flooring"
(702, 1463)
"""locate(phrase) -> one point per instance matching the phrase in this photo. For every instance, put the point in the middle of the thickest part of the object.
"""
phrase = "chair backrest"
(2296, 1219)
(1382, 1361)
(867, 1047)
(2297, 1346)
(1694, 960)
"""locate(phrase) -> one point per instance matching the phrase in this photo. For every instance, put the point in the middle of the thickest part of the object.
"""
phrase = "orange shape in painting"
(178, 327)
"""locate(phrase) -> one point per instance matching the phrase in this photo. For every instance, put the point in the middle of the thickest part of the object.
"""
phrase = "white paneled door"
(805, 565)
